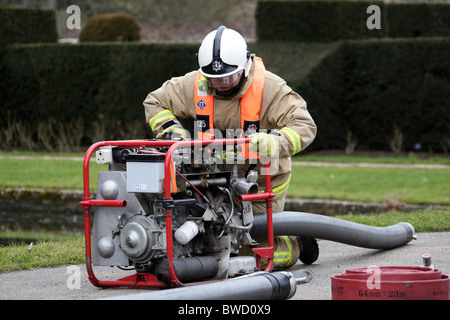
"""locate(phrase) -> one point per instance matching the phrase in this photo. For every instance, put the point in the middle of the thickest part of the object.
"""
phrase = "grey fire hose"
(334, 229)
(283, 285)
(257, 286)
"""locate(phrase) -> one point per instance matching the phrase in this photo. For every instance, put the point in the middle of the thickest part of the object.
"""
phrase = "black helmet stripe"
(216, 44)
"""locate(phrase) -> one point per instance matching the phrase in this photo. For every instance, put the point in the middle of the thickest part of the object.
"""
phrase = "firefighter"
(233, 90)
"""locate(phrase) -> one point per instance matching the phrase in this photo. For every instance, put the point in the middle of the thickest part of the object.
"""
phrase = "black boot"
(309, 249)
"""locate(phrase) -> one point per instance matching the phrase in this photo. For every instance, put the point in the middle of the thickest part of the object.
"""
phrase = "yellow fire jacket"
(281, 109)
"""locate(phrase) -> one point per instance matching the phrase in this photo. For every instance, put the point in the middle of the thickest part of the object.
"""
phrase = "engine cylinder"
(190, 269)
(138, 237)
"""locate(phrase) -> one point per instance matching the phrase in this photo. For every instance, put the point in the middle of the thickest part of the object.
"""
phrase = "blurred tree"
(110, 27)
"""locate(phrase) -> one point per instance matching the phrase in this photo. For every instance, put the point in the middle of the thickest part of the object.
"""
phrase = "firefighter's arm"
(294, 123)
(164, 105)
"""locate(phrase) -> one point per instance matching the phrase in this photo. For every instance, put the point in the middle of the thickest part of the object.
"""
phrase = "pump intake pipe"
(255, 286)
(334, 229)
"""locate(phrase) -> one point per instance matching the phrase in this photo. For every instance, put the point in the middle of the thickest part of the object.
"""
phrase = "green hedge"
(314, 21)
(368, 88)
(92, 81)
(372, 88)
(27, 26)
(400, 84)
(418, 19)
(325, 20)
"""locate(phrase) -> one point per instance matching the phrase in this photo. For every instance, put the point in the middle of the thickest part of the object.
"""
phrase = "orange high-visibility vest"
(250, 105)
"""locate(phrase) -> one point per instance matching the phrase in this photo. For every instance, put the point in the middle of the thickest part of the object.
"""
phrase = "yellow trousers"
(286, 251)
(286, 248)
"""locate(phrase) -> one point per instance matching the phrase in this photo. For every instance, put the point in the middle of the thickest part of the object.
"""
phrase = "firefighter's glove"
(177, 132)
(264, 144)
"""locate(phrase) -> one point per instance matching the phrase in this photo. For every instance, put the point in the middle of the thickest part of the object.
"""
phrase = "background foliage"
(366, 89)
(110, 27)
(23, 25)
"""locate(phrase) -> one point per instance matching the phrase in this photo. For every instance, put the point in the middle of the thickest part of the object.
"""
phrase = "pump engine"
(209, 219)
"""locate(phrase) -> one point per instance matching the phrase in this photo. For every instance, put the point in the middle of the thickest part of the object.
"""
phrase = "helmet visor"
(225, 83)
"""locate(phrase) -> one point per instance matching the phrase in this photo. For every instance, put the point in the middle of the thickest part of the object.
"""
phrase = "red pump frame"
(147, 280)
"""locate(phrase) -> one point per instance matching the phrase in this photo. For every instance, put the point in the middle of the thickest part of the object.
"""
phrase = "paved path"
(335, 258)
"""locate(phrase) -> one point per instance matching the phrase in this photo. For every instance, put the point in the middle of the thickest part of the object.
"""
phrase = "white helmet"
(222, 53)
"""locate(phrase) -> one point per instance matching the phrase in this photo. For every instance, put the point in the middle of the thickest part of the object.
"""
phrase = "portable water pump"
(176, 217)
(171, 218)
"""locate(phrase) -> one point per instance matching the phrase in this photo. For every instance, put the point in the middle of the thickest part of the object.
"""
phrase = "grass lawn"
(410, 185)
(421, 220)
(47, 251)
(46, 174)
(376, 159)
